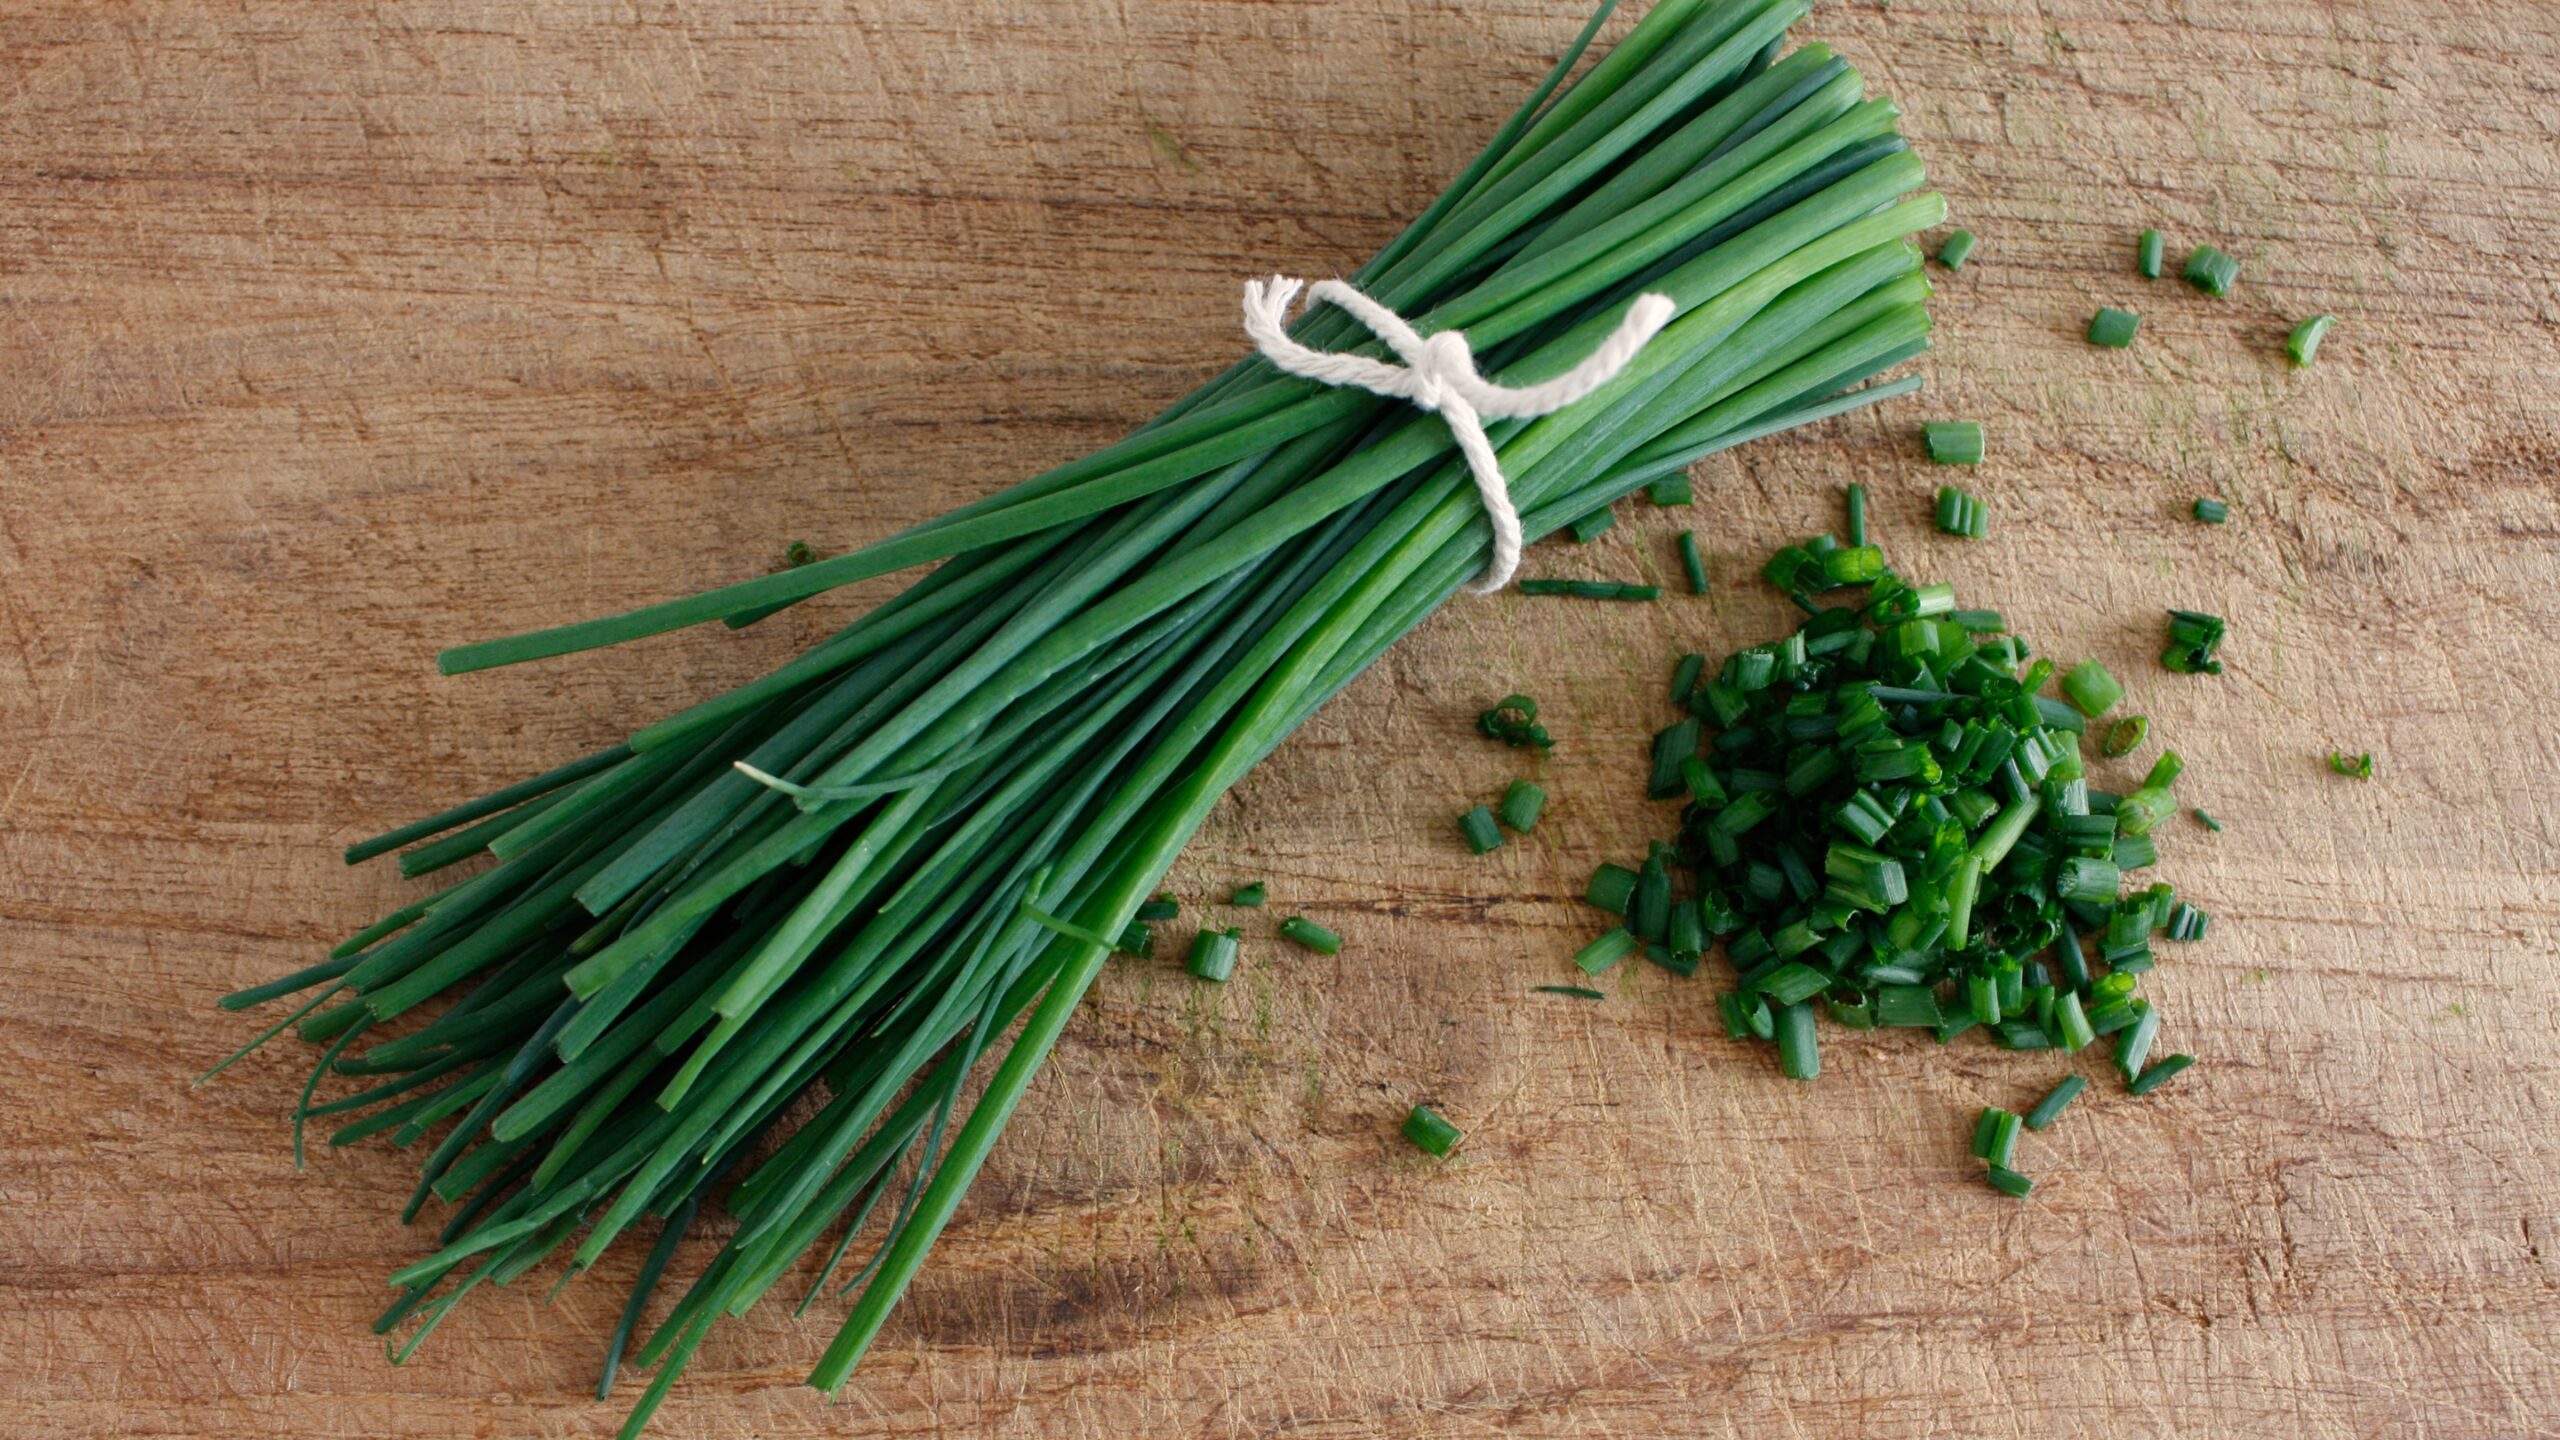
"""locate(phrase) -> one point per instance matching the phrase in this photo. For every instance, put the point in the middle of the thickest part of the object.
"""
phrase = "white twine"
(1439, 375)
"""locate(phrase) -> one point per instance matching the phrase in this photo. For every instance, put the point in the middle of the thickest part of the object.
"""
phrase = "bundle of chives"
(855, 875)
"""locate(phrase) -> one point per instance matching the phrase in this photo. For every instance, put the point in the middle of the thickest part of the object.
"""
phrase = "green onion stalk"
(851, 880)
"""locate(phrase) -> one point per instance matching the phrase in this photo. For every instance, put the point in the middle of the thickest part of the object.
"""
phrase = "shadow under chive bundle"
(1887, 824)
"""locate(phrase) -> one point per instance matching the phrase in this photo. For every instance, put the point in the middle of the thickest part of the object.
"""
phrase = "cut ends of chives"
(1430, 1132)
(2113, 328)
(2194, 637)
(2304, 343)
(1957, 248)
(2211, 271)
(1522, 804)
(1513, 720)
(2147, 251)
(1213, 954)
(1953, 442)
(1249, 896)
(1961, 514)
(2354, 767)
(2091, 689)
(2212, 511)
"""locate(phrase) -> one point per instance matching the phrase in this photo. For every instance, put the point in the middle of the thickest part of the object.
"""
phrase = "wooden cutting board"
(333, 333)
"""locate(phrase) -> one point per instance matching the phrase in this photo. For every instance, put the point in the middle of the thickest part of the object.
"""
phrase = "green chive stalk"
(852, 878)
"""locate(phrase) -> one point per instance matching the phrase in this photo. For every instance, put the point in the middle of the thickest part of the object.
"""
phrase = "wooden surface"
(332, 333)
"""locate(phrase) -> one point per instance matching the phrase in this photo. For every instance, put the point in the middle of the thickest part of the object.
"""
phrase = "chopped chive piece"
(2071, 1022)
(1691, 564)
(2186, 923)
(1953, 442)
(2113, 328)
(1956, 248)
(1592, 526)
(2193, 638)
(2147, 254)
(2206, 821)
(1856, 529)
(2009, 1182)
(2212, 511)
(2154, 1075)
(2001, 1145)
(1213, 954)
(1669, 490)
(1429, 1133)
(2049, 1109)
(1591, 589)
(1522, 804)
(1684, 677)
(2126, 735)
(2091, 689)
(1675, 743)
(1310, 934)
(1578, 992)
(2135, 1047)
(2210, 270)
(1250, 895)
(2304, 343)
(1961, 514)
(1978, 622)
(1482, 833)
(1139, 939)
(1163, 907)
(1611, 887)
(2359, 768)
(1513, 720)
(1986, 1128)
(1792, 982)
(1799, 1058)
(1606, 951)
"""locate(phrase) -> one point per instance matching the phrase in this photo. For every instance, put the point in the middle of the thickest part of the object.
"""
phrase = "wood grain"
(333, 333)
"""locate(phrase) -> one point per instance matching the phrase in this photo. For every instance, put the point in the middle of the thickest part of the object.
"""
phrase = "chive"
(1481, 832)
(1979, 622)
(1592, 526)
(2193, 638)
(2135, 1047)
(1986, 1128)
(1669, 490)
(1798, 1056)
(1608, 950)
(2071, 1023)
(1957, 247)
(1522, 804)
(2212, 511)
(1907, 1005)
(1691, 564)
(2113, 328)
(1961, 514)
(1310, 934)
(2001, 1145)
(1649, 909)
(1429, 1132)
(2147, 254)
(2009, 1182)
(2049, 1109)
(2090, 689)
(2125, 736)
(1953, 442)
(1590, 589)
(1856, 529)
(1137, 939)
(2359, 768)
(1213, 954)
(1250, 896)
(1673, 744)
(2303, 345)
(1792, 982)
(1513, 720)
(2186, 923)
(2206, 820)
(2211, 271)
(1611, 887)
(2154, 1075)
(1684, 677)
(1163, 907)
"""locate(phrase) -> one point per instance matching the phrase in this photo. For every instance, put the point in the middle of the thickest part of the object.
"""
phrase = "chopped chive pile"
(1513, 720)
(1953, 442)
(1591, 589)
(1671, 489)
(2304, 343)
(1884, 822)
(2211, 271)
(2212, 511)
(1962, 514)
(2113, 328)
(2147, 254)
(1691, 564)
(1310, 934)
(1956, 250)
(2193, 639)
(1251, 895)
(1429, 1132)
(2358, 767)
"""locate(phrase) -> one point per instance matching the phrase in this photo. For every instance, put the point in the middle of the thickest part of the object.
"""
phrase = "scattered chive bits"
(2147, 254)
(2125, 736)
(2113, 328)
(1429, 1132)
(1513, 720)
(2357, 768)
(1953, 442)
(2194, 637)
(1213, 954)
(2009, 1182)
(1672, 489)
(1482, 833)
(1961, 514)
(2304, 343)
(2049, 1109)
(1310, 934)
(1692, 564)
(1250, 896)
(1886, 823)
(1521, 806)
(2212, 511)
(1591, 589)
(2207, 821)
(1957, 248)
(1592, 526)
(2211, 271)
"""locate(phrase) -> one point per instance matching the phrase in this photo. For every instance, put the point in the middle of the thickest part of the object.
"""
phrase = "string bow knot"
(1439, 375)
